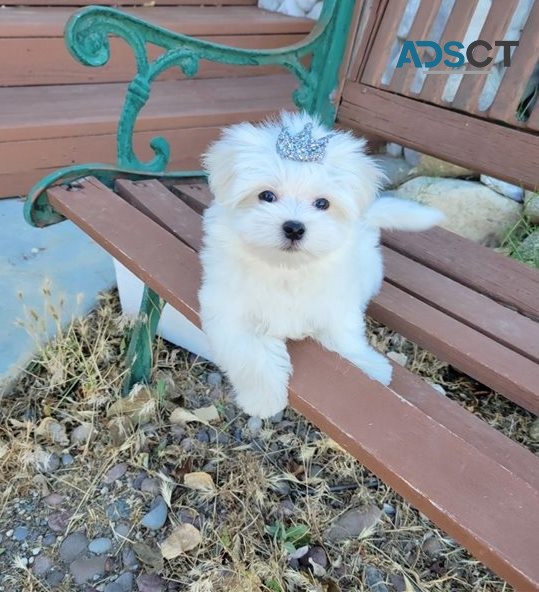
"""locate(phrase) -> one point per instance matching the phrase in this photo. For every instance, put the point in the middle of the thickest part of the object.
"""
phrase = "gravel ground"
(172, 489)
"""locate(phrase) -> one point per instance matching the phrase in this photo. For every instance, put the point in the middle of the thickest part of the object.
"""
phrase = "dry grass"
(289, 473)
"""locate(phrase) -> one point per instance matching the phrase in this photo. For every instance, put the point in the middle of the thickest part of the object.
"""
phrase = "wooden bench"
(470, 306)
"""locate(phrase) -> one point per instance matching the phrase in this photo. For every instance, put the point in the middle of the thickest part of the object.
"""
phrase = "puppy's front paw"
(375, 365)
(260, 404)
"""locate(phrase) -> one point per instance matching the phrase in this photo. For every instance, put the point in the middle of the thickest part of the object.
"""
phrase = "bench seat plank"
(513, 330)
(388, 431)
(503, 279)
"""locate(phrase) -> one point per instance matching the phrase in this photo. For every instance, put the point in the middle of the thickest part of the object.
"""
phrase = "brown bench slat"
(407, 446)
(500, 278)
(197, 21)
(487, 361)
(196, 195)
(506, 326)
(158, 203)
(89, 110)
(421, 126)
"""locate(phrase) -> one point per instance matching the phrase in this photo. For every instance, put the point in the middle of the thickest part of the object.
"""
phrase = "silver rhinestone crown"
(302, 147)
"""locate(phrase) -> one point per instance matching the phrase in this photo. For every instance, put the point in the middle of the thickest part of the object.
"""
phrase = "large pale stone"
(472, 210)
(430, 166)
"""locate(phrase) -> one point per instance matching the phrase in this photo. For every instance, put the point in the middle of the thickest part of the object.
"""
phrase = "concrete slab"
(61, 256)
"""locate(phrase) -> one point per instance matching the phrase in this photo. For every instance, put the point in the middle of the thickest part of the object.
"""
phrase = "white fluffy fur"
(255, 294)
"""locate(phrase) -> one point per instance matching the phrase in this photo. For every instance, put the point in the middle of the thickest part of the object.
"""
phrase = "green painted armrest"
(87, 38)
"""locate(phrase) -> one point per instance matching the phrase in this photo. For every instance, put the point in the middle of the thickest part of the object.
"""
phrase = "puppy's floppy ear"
(228, 158)
(394, 213)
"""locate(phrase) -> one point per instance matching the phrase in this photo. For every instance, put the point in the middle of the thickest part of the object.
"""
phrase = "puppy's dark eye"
(268, 196)
(321, 203)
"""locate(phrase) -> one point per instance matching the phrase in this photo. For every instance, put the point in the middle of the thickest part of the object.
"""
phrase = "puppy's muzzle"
(293, 230)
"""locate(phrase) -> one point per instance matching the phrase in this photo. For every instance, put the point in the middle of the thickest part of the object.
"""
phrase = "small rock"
(55, 577)
(84, 570)
(72, 546)
(100, 546)
(67, 460)
(118, 510)
(157, 515)
(356, 522)
(123, 583)
(49, 540)
(278, 417)
(202, 436)
(187, 444)
(58, 521)
(531, 206)
(285, 509)
(396, 170)
(214, 379)
(254, 424)
(150, 556)
(533, 430)
(82, 434)
(432, 546)
(150, 485)
(437, 387)
(394, 149)
(375, 579)
(150, 583)
(20, 533)
(471, 209)
(42, 565)
(47, 462)
(129, 559)
(316, 555)
(398, 357)
(114, 473)
(122, 529)
(503, 188)
(388, 509)
(53, 499)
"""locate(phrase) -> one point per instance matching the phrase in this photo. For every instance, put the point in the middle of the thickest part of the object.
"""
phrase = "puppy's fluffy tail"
(394, 213)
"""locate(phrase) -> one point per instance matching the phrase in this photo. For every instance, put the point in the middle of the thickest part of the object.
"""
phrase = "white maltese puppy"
(291, 251)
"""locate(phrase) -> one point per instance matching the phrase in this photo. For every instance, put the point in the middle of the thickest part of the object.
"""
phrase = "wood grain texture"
(514, 331)
(515, 78)
(199, 21)
(47, 62)
(436, 130)
(89, 110)
(500, 278)
(428, 445)
(160, 205)
(503, 370)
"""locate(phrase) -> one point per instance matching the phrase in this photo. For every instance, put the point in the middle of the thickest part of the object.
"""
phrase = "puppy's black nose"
(293, 229)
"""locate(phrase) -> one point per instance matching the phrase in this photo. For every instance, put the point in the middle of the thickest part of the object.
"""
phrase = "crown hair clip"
(302, 147)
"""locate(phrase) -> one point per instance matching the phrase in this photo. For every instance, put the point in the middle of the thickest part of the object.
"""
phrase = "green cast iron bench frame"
(401, 432)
